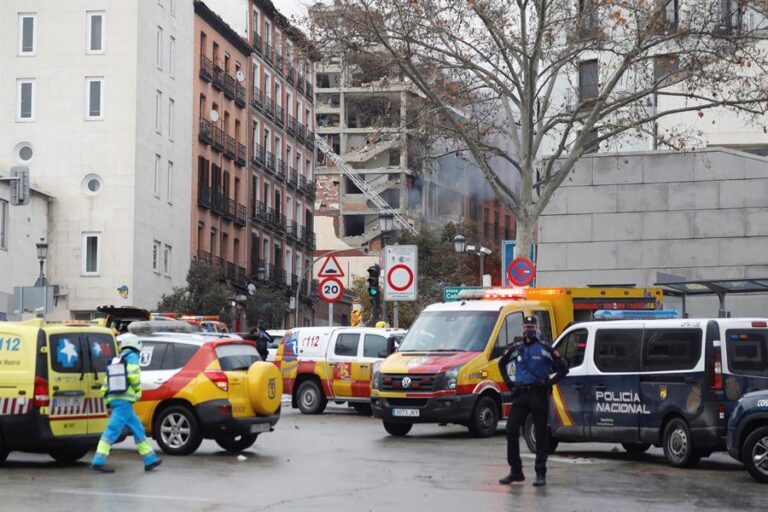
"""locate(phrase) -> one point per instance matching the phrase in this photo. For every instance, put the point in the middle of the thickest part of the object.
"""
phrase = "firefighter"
(120, 399)
(533, 362)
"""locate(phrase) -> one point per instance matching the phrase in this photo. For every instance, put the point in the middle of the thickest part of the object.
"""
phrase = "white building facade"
(96, 101)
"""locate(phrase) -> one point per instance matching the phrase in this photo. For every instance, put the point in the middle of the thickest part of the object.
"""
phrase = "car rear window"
(237, 356)
(66, 353)
(670, 350)
(747, 351)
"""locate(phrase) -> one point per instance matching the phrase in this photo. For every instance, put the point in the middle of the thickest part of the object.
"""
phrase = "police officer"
(121, 403)
(533, 362)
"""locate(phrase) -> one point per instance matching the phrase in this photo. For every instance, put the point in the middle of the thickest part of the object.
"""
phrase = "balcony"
(300, 83)
(228, 208)
(230, 147)
(281, 170)
(256, 45)
(218, 78)
(291, 125)
(279, 116)
(293, 231)
(206, 68)
(301, 132)
(258, 99)
(292, 178)
(308, 238)
(217, 203)
(206, 132)
(277, 275)
(279, 63)
(218, 139)
(269, 107)
(259, 212)
(241, 215)
(310, 139)
(269, 160)
(273, 220)
(290, 73)
(242, 155)
(294, 282)
(204, 196)
(309, 92)
(257, 159)
(229, 86)
(269, 53)
(240, 96)
(204, 256)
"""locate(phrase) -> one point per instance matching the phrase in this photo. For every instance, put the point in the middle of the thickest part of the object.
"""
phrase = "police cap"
(530, 320)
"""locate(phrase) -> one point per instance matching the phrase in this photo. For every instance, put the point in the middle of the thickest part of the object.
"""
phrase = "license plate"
(258, 428)
(67, 402)
(409, 413)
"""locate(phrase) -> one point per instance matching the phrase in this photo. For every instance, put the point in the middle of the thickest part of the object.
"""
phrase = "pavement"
(340, 461)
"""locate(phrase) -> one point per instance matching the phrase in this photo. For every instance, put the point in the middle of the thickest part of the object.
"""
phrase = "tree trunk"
(524, 236)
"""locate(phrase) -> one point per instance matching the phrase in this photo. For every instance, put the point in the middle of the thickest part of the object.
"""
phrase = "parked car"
(199, 386)
(277, 337)
(748, 433)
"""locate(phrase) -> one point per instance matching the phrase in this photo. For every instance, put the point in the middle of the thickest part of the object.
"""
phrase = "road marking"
(555, 458)
(130, 495)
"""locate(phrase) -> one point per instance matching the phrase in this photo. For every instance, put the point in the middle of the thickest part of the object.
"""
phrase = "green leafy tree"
(206, 293)
(268, 304)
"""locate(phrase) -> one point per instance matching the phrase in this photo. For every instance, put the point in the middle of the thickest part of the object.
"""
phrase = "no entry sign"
(400, 272)
(521, 272)
(330, 290)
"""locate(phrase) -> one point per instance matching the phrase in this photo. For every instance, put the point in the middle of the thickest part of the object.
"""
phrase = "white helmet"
(129, 340)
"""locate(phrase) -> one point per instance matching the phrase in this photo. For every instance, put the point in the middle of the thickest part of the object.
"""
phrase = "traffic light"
(373, 280)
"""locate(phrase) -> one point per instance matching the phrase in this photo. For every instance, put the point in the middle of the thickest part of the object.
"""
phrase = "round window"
(23, 151)
(92, 184)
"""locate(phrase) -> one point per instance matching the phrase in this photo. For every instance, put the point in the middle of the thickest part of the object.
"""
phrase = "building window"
(27, 34)
(167, 261)
(159, 56)
(25, 90)
(156, 256)
(591, 144)
(172, 57)
(588, 81)
(169, 188)
(95, 32)
(665, 68)
(91, 253)
(158, 111)
(3, 224)
(667, 16)
(94, 98)
(157, 176)
(171, 105)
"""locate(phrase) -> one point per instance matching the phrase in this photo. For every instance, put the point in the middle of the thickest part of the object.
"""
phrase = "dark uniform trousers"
(535, 401)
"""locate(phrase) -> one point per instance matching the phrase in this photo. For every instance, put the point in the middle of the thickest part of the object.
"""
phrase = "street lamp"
(261, 273)
(460, 246)
(386, 222)
(42, 254)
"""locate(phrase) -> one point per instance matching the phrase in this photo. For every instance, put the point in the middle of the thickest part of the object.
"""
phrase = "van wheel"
(754, 454)
(397, 429)
(3, 451)
(529, 434)
(176, 431)
(485, 418)
(362, 409)
(237, 443)
(68, 455)
(636, 449)
(311, 398)
(678, 445)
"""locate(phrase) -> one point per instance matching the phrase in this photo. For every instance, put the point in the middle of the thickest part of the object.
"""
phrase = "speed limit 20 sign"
(330, 289)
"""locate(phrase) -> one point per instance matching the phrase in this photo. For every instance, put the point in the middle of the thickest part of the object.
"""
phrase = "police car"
(748, 433)
(671, 383)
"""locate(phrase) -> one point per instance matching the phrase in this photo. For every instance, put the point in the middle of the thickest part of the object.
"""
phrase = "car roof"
(673, 323)
(198, 339)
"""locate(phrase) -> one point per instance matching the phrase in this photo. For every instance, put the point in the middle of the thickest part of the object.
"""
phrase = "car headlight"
(452, 378)
(375, 378)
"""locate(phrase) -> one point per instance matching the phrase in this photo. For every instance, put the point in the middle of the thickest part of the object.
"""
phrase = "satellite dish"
(251, 289)
(214, 116)
(240, 76)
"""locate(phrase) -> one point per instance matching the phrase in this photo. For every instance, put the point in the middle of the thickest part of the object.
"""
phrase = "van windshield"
(462, 331)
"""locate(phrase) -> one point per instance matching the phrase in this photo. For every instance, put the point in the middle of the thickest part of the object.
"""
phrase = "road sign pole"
(396, 316)
(330, 314)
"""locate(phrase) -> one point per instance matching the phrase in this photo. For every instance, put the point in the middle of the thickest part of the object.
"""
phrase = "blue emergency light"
(636, 314)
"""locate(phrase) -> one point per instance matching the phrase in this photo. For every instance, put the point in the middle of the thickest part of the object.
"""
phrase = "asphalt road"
(343, 462)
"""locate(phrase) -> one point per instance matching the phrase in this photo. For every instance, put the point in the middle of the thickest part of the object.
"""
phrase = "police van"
(50, 387)
(671, 383)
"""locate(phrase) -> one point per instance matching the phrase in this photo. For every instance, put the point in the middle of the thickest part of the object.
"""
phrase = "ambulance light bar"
(637, 314)
(510, 293)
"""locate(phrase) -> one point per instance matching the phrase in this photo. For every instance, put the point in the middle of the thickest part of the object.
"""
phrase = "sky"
(288, 8)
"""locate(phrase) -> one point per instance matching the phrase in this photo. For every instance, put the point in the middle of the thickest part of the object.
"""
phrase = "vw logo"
(406, 382)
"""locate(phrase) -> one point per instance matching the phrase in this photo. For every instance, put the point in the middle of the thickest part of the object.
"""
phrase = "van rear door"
(99, 348)
(613, 398)
(745, 358)
(67, 370)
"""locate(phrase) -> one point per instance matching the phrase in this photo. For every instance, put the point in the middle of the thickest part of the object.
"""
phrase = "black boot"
(101, 468)
(510, 478)
(541, 481)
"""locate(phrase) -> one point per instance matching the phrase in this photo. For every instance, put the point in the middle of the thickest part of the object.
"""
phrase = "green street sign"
(451, 293)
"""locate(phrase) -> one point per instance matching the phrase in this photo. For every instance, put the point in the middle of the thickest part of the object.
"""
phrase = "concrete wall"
(25, 226)
(623, 218)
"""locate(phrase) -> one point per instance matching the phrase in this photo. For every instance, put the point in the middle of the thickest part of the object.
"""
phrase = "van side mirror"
(383, 353)
(497, 352)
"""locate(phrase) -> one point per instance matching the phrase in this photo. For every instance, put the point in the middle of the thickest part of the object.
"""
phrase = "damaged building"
(366, 113)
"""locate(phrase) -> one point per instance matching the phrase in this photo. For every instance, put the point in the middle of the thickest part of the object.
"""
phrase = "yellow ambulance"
(50, 387)
(446, 368)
